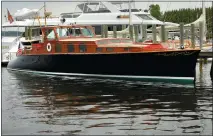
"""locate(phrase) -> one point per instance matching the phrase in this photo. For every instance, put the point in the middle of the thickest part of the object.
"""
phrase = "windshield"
(145, 17)
(87, 32)
(12, 31)
(50, 34)
(66, 32)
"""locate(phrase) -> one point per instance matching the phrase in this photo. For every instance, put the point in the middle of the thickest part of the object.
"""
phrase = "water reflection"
(64, 105)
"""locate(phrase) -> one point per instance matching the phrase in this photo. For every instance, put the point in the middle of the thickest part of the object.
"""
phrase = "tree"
(155, 11)
(188, 16)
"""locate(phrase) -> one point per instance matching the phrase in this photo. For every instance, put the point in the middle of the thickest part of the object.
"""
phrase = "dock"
(205, 55)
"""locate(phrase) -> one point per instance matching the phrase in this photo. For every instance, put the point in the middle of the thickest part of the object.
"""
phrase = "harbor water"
(53, 105)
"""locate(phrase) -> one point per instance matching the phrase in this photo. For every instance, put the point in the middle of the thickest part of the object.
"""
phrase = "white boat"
(13, 32)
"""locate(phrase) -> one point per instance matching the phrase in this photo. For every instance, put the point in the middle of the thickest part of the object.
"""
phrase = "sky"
(60, 6)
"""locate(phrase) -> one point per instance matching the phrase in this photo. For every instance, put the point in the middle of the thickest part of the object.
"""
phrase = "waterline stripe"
(98, 75)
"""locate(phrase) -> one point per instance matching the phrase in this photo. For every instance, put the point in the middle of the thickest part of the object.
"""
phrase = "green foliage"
(185, 15)
(155, 11)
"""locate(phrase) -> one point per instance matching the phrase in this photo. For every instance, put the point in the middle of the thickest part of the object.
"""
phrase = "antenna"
(130, 11)
(44, 13)
(204, 20)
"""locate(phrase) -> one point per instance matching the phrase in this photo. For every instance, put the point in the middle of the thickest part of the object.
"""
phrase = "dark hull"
(159, 64)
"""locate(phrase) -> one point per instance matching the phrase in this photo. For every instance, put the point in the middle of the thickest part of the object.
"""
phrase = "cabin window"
(109, 49)
(70, 48)
(126, 49)
(145, 17)
(64, 32)
(50, 34)
(57, 48)
(82, 48)
(36, 32)
(77, 32)
(86, 32)
(12, 31)
(99, 49)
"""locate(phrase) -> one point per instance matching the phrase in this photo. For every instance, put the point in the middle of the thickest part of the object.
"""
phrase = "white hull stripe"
(109, 76)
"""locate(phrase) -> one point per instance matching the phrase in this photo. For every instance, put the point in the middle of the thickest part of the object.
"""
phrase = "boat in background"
(76, 51)
(15, 29)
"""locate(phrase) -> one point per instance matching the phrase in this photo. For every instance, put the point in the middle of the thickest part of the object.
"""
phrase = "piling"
(201, 68)
(166, 35)
(105, 31)
(26, 33)
(136, 33)
(131, 32)
(187, 34)
(201, 34)
(205, 60)
(181, 34)
(144, 32)
(30, 33)
(102, 31)
(211, 71)
(114, 31)
(193, 35)
(154, 33)
(123, 27)
(163, 39)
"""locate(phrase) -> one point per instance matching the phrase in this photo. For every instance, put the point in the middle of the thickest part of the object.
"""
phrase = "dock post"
(211, 71)
(154, 34)
(26, 33)
(114, 31)
(163, 33)
(136, 33)
(193, 35)
(30, 33)
(187, 34)
(201, 68)
(144, 32)
(205, 60)
(181, 35)
(131, 32)
(201, 34)
(166, 35)
(102, 31)
(106, 31)
(123, 27)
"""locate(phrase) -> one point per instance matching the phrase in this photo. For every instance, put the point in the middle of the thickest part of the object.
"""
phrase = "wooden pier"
(205, 55)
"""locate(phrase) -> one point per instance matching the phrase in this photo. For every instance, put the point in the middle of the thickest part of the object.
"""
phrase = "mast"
(44, 14)
(130, 15)
(204, 20)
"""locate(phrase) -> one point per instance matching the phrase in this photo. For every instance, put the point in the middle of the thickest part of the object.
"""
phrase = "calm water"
(35, 104)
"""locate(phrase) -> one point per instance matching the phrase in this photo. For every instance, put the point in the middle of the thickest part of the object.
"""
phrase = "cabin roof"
(122, 45)
(90, 39)
(81, 39)
(67, 26)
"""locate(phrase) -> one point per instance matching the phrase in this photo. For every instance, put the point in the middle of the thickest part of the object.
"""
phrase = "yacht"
(91, 13)
(111, 14)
